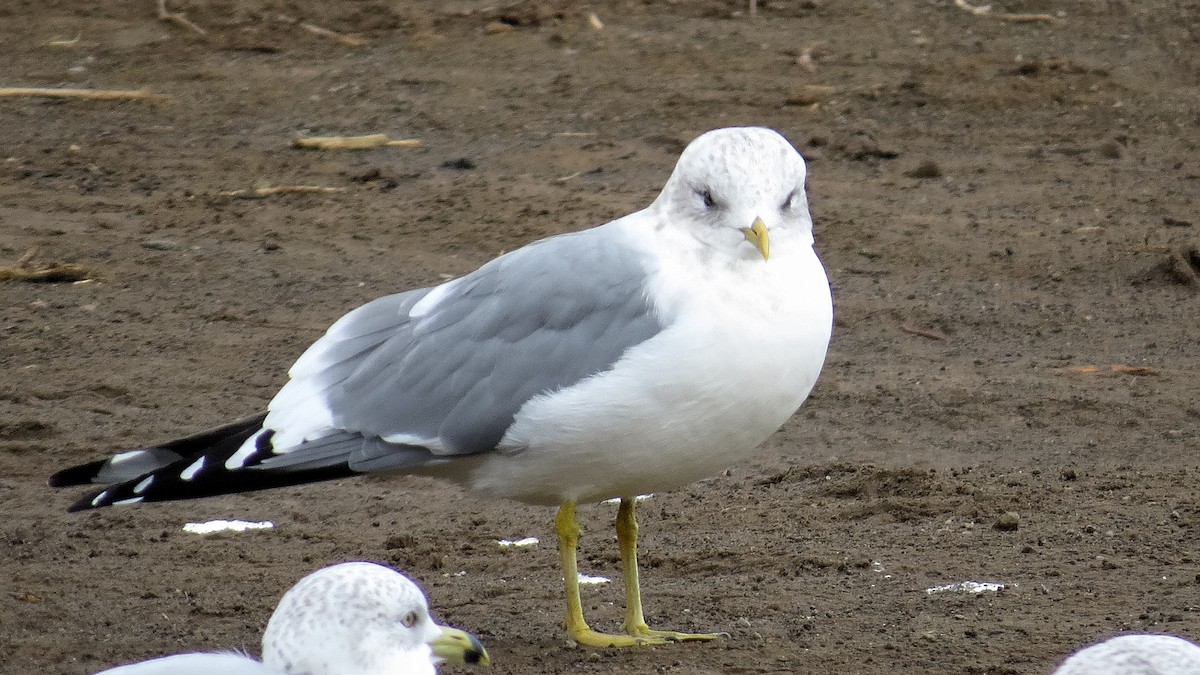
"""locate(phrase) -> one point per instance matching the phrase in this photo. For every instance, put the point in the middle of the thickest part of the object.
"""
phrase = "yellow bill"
(757, 234)
(458, 646)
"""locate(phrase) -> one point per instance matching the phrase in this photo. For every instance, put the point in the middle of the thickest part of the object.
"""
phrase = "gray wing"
(223, 663)
(448, 379)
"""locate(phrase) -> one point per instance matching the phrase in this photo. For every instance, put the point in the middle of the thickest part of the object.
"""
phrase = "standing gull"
(634, 357)
(355, 618)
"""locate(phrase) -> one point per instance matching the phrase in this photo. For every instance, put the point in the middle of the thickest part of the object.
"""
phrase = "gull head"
(361, 618)
(740, 192)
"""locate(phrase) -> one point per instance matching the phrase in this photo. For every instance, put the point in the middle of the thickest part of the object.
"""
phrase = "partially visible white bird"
(355, 618)
(1139, 654)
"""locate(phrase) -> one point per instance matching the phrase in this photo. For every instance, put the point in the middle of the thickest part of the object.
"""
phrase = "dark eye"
(790, 202)
(409, 620)
(706, 198)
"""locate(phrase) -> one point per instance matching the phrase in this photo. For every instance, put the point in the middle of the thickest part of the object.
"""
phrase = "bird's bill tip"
(757, 234)
(458, 646)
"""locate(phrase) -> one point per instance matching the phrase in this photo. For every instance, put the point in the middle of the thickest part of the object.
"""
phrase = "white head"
(360, 618)
(1136, 654)
(743, 185)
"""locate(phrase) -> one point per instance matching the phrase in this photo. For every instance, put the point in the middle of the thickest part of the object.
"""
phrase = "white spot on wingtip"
(238, 459)
(131, 500)
(99, 498)
(123, 457)
(141, 487)
(190, 472)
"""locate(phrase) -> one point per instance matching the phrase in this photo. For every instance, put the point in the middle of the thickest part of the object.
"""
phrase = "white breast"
(742, 353)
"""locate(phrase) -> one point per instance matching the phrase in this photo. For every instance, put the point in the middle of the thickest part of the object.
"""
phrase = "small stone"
(1009, 522)
(809, 94)
(459, 164)
(926, 169)
(1109, 150)
(160, 244)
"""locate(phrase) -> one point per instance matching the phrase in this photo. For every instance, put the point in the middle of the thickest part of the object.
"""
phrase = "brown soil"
(1007, 210)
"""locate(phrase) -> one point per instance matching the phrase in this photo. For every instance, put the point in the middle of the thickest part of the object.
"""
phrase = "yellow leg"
(639, 634)
(577, 628)
(635, 622)
(568, 540)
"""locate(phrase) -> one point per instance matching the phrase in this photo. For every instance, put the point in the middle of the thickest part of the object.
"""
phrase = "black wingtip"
(83, 504)
(166, 485)
(84, 474)
(151, 459)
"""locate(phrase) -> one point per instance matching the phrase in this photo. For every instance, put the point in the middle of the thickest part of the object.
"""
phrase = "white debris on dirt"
(968, 587)
(639, 498)
(527, 541)
(226, 526)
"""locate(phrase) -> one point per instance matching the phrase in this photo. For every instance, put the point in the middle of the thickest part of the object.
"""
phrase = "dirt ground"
(1007, 211)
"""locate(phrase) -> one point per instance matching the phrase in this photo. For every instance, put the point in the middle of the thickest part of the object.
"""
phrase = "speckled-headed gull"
(634, 357)
(355, 618)
(1137, 654)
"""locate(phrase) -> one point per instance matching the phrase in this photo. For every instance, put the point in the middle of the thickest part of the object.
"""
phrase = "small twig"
(259, 193)
(52, 273)
(575, 134)
(92, 94)
(498, 27)
(1114, 368)
(932, 335)
(753, 8)
(63, 43)
(348, 40)
(563, 179)
(178, 18)
(986, 10)
(1133, 370)
(354, 142)
(977, 11)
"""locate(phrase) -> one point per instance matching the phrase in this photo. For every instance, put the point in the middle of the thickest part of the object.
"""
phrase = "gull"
(631, 358)
(356, 618)
(1136, 654)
